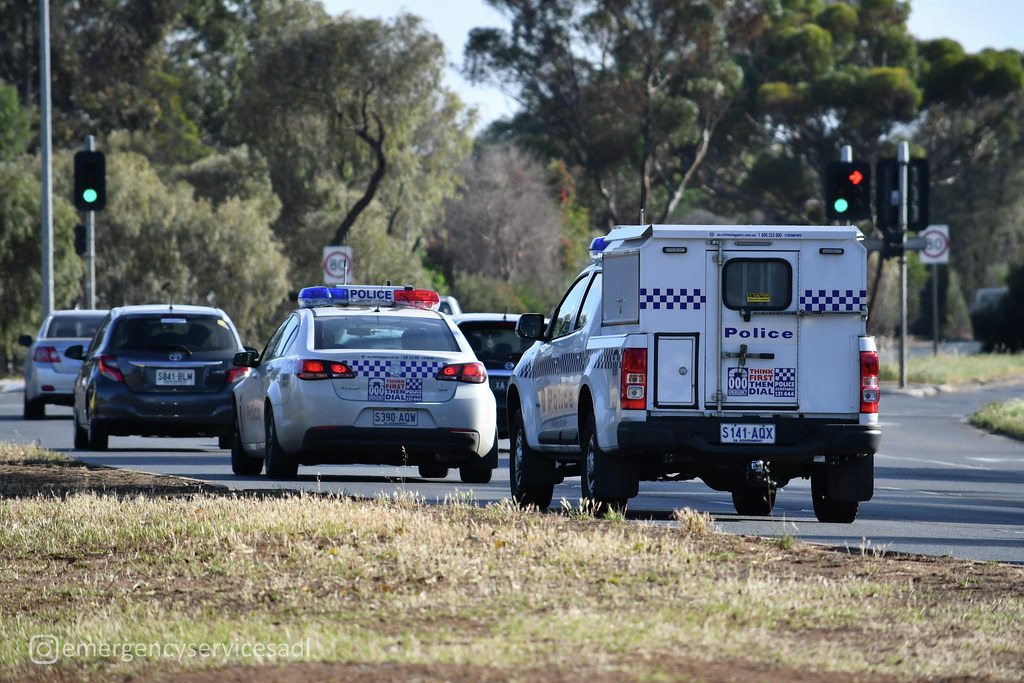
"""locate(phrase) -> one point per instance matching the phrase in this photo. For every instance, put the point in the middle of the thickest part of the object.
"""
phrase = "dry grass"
(377, 589)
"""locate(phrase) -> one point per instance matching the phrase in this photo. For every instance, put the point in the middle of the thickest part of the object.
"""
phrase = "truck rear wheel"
(826, 509)
(593, 469)
(754, 500)
(520, 458)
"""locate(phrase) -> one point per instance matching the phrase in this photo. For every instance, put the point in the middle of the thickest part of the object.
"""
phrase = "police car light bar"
(361, 295)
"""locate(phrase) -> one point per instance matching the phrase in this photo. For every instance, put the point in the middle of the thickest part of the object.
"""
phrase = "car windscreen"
(383, 332)
(73, 325)
(495, 342)
(193, 333)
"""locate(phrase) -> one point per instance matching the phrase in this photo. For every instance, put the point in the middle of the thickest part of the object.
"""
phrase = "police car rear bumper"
(797, 440)
(397, 446)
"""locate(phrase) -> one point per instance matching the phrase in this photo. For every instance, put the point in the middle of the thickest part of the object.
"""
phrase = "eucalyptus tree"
(630, 94)
(972, 131)
(356, 125)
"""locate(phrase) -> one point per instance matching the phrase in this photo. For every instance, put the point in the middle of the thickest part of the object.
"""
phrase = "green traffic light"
(841, 205)
(89, 195)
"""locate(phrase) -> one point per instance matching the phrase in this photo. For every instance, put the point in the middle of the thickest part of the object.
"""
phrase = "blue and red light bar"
(362, 295)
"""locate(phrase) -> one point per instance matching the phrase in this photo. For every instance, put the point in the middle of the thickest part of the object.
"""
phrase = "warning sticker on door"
(776, 382)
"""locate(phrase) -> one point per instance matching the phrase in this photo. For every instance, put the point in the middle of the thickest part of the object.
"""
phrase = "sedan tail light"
(237, 373)
(324, 369)
(108, 367)
(473, 373)
(46, 354)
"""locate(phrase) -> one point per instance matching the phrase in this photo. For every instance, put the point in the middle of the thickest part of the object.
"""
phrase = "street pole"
(90, 239)
(935, 309)
(46, 142)
(903, 159)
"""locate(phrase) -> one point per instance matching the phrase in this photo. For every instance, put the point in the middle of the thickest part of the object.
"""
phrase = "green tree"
(21, 305)
(15, 133)
(630, 94)
(366, 135)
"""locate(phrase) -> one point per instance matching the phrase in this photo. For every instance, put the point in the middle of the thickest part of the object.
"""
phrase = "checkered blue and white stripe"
(409, 369)
(671, 298)
(834, 300)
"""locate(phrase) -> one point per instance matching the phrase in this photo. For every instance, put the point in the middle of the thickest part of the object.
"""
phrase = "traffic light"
(887, 200)
(80, 245)
(90, 181)
(848, 190)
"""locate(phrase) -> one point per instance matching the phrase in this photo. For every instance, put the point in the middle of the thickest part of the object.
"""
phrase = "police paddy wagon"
(733, 354)
(361, 374)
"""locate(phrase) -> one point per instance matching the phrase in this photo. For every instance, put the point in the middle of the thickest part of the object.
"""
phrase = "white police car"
(372, 375)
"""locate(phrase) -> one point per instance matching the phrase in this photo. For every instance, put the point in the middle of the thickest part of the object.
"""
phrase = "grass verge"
(461, 592)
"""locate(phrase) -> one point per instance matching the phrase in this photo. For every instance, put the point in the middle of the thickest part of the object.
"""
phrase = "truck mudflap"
(795, 439)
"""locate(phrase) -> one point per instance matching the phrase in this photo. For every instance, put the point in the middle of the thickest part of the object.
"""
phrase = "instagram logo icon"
(43, 649)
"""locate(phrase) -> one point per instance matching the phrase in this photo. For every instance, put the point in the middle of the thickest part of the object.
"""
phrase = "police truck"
(733, 354)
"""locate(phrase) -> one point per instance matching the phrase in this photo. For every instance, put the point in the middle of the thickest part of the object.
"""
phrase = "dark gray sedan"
(157, 370)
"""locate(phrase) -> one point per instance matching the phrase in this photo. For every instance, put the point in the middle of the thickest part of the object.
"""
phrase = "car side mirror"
(530, 326)
(25, 340)
(76, 352)
(250, 358)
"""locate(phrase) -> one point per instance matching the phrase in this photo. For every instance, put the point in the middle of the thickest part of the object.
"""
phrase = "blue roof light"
(598, 244)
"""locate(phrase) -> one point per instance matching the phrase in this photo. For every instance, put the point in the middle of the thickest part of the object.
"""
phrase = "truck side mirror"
(531, 326)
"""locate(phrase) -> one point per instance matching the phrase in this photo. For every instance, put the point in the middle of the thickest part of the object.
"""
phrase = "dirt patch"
(941, 578)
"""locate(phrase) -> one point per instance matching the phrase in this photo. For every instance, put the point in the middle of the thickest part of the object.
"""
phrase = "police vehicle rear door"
(753, 304)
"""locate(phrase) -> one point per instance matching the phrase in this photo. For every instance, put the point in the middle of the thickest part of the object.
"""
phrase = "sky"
(975, 24)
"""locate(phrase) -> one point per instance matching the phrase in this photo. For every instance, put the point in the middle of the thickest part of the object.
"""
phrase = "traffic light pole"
(90, 240)
(903, 159)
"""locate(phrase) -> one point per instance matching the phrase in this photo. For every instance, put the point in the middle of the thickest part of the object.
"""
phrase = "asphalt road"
(942, 487)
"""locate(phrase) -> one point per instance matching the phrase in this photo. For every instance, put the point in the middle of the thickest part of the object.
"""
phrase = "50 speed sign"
(936, 244)
(337, 265)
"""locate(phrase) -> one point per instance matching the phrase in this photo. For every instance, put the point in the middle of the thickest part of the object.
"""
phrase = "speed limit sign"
(337, 265)
(936, 244)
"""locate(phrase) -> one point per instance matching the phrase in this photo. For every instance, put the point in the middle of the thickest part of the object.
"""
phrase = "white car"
(372, 375)
(49, 374)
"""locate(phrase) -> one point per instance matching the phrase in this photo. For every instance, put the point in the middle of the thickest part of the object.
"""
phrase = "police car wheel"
(433, 471)
(278, 466)
(591, 464)
(242, 463)
(751, 500)
(825, 508)
(520, 455)
(474, 475)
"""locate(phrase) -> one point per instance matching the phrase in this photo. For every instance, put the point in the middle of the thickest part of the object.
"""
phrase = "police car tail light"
(46, 354)
(420, 298)
(869, 382)
(473, 373)
(108, 367)
(323, 369)
(633, 385)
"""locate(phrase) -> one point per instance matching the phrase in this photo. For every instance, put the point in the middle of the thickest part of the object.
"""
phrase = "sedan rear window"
(73, 325)
(388, 333)
(173, 332)
(495, 342)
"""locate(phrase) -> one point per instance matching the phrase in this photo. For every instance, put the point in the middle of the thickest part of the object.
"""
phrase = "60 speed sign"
(337, 265)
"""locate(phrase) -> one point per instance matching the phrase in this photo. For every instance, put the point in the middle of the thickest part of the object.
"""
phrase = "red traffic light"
(856, 177)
